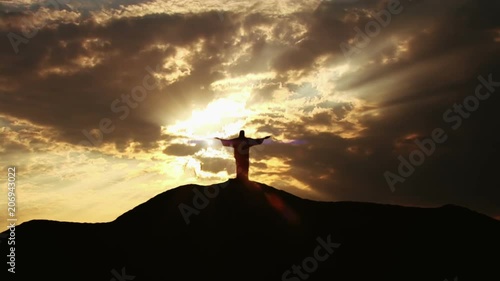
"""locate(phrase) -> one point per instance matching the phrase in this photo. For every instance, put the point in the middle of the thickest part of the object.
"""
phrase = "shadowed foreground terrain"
(255, 232)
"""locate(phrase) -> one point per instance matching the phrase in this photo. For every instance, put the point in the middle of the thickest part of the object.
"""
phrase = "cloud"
(181, 149)
(216, 165)
(79, 71)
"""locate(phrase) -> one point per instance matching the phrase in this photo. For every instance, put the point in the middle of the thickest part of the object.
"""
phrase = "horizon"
(186, 211)
(104, 105)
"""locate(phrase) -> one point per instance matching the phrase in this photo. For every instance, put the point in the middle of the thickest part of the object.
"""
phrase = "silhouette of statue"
(241, 146)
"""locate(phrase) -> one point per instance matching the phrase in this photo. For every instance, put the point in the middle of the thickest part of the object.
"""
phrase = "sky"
(105, 104)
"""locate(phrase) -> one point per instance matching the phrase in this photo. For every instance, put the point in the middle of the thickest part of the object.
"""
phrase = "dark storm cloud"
(78, 98)
(449, 47)
(460, 47)
(335, 22)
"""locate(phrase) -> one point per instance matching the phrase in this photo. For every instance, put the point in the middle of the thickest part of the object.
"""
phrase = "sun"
(221, 117)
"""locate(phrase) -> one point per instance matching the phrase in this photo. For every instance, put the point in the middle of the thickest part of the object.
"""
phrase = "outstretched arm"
(225, 142)
(259, 141)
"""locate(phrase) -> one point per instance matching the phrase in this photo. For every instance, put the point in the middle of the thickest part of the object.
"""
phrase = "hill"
(250, 231)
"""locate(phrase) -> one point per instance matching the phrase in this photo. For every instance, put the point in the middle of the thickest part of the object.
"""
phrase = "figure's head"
(242, 134)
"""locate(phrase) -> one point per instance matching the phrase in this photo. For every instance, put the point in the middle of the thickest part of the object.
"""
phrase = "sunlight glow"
(222, 117)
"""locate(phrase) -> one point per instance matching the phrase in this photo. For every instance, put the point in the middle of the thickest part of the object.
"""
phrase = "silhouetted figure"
(241, 146)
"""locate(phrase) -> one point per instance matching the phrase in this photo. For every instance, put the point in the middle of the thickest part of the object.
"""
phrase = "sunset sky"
(105, 104)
